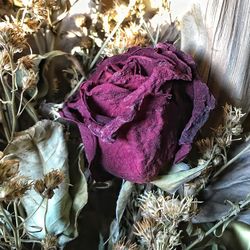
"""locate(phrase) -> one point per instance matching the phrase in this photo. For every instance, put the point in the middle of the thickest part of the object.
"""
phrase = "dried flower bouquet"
(102, 105)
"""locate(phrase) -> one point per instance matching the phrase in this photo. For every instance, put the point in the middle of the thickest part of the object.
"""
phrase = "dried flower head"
(30, 80)
(125, 245)
(157, 236)
(12, 37)
(39, 186)
(50, 242)
(157, 206)
(51, 181)
(28, 69)
(8, 169)
(14, 189)
(26, 62)
(146, 230)
(232, 114)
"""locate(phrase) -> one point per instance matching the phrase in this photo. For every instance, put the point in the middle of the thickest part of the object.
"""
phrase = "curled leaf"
(179, 175)
(230, 188)
(41, 149)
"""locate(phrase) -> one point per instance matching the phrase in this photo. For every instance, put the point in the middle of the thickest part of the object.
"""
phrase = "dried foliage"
(40, 197)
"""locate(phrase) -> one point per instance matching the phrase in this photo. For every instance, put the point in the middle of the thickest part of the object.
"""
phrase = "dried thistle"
(161, 216)
(51, 181)
(14, 189)
(146, 230)
(49, 242)
(125, 245)
(165, 209)
(26, 62)
(8, 170)
(12, 37)
(29, 71)
(157, 236)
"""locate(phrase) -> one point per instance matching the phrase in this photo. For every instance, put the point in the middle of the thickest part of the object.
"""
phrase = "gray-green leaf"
(179, 175)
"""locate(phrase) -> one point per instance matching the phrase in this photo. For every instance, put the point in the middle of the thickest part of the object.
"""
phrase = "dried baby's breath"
(126, 37)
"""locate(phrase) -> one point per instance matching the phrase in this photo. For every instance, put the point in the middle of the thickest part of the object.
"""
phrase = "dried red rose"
(139, 111)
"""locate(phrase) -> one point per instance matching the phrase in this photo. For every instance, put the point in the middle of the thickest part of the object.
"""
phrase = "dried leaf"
(41, 149)
(122, 201)
(179, 175)
(233, 185)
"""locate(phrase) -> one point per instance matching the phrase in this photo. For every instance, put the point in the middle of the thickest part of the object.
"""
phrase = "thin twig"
(148, 31)
(17, 225)
(45, 215)
(11, 225)
(231, 161)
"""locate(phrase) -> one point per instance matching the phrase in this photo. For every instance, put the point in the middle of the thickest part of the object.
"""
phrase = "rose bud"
(139, 112)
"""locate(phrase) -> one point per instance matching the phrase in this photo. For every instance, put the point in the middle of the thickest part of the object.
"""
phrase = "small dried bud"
(30, 80)
(49, 242)
(39, 186)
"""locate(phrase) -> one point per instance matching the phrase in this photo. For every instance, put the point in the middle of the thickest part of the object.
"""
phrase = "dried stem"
(231, 161)
(6, 217)
(233, 213)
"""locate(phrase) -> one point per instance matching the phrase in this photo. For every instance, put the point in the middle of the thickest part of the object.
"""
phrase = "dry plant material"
(125, 245)
(161, 215)
(12, 38)
(50, 242)
(8, 170)
(14, 189)
(214, 149)
(51, 181)
(155, 216)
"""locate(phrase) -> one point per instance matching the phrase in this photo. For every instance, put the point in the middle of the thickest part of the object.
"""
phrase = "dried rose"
(139, 111)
